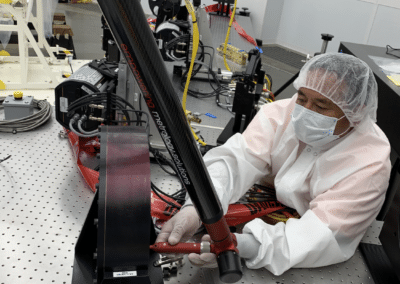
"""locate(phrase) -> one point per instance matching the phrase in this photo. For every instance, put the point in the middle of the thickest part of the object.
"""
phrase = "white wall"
(386, 27)
(272, 20)
(356, 21)
(257, 15)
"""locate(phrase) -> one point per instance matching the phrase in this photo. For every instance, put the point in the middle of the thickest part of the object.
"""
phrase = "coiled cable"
(30, 122)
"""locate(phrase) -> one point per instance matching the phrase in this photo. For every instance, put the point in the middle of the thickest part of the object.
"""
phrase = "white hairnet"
(345, 80)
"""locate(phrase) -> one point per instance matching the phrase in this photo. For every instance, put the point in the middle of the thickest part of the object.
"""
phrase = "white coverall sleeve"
(244, 159)
(329, 232)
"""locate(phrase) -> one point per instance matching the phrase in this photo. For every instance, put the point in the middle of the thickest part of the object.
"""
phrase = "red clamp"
(186, 248)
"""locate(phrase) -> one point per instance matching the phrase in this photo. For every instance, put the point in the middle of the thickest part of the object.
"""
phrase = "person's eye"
(321, 107)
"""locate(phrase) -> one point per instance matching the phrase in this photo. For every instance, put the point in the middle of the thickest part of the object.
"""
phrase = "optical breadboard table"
(44, 202)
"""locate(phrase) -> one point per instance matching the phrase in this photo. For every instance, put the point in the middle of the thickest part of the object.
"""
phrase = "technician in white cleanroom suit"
(326, 158)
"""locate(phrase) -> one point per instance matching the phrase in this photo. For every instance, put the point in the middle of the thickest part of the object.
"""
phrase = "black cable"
(139, 114)
(93, 95)
(147, 120)
(71, 111)
(96, 100)
(158, 155)
(101, 95)
(159, 196)
(129, 121)
(195, 93)
(211, 55)
(210, 71)
(168, 195)
(180, 192)
(162, 167)
(5, 159)
(117, 103)
(100, 98)
(391, 52)
(176, 40)
(201, 59)
(216, 91)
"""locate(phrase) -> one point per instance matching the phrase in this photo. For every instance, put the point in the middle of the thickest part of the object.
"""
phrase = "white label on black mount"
(63, 104)
(125, 274)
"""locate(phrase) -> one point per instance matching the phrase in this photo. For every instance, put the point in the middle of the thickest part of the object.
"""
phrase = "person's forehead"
(314, 95)
(317, 97)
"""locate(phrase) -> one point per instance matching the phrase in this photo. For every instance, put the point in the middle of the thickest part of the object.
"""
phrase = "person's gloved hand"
(208, 260)
(247, 245)
(181, 227)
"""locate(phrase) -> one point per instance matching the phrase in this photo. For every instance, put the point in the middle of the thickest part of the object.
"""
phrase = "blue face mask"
(313, 128)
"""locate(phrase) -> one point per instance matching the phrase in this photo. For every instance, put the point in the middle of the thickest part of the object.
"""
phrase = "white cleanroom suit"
(337, 187)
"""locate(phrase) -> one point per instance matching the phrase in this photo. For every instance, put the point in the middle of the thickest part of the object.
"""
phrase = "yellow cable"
(278, 217)
(196, 39)
(227, 35)
(197, 138)
(269, 82)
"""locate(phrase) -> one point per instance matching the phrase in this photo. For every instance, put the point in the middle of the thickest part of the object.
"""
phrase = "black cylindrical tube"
(128, 24)
(324, 46)
(230, 268)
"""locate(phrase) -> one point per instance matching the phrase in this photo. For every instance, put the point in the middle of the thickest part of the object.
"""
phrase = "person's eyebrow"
(324, 101)
(301, 93)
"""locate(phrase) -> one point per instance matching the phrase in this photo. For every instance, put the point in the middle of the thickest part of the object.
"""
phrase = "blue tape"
(210, 115)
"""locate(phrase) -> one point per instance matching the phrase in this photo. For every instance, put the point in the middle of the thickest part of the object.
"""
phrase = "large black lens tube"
(128, 24)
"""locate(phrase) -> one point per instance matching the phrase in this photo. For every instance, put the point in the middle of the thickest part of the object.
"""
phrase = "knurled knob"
(18, 95)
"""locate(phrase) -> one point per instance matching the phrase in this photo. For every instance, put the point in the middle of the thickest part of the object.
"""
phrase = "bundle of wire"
(30, 122)
(196, 60)
(258, 193)
(117, 104)
(218, 88)
(162, 160)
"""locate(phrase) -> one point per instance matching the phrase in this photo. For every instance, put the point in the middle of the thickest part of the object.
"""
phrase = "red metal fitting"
(223, 239)
(185, 248)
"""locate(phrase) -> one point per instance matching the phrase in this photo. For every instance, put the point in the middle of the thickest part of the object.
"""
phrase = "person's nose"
(308, 105)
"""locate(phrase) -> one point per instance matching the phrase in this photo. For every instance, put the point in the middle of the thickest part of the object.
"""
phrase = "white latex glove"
(208, 260)
(247, 246)
(181, 227)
